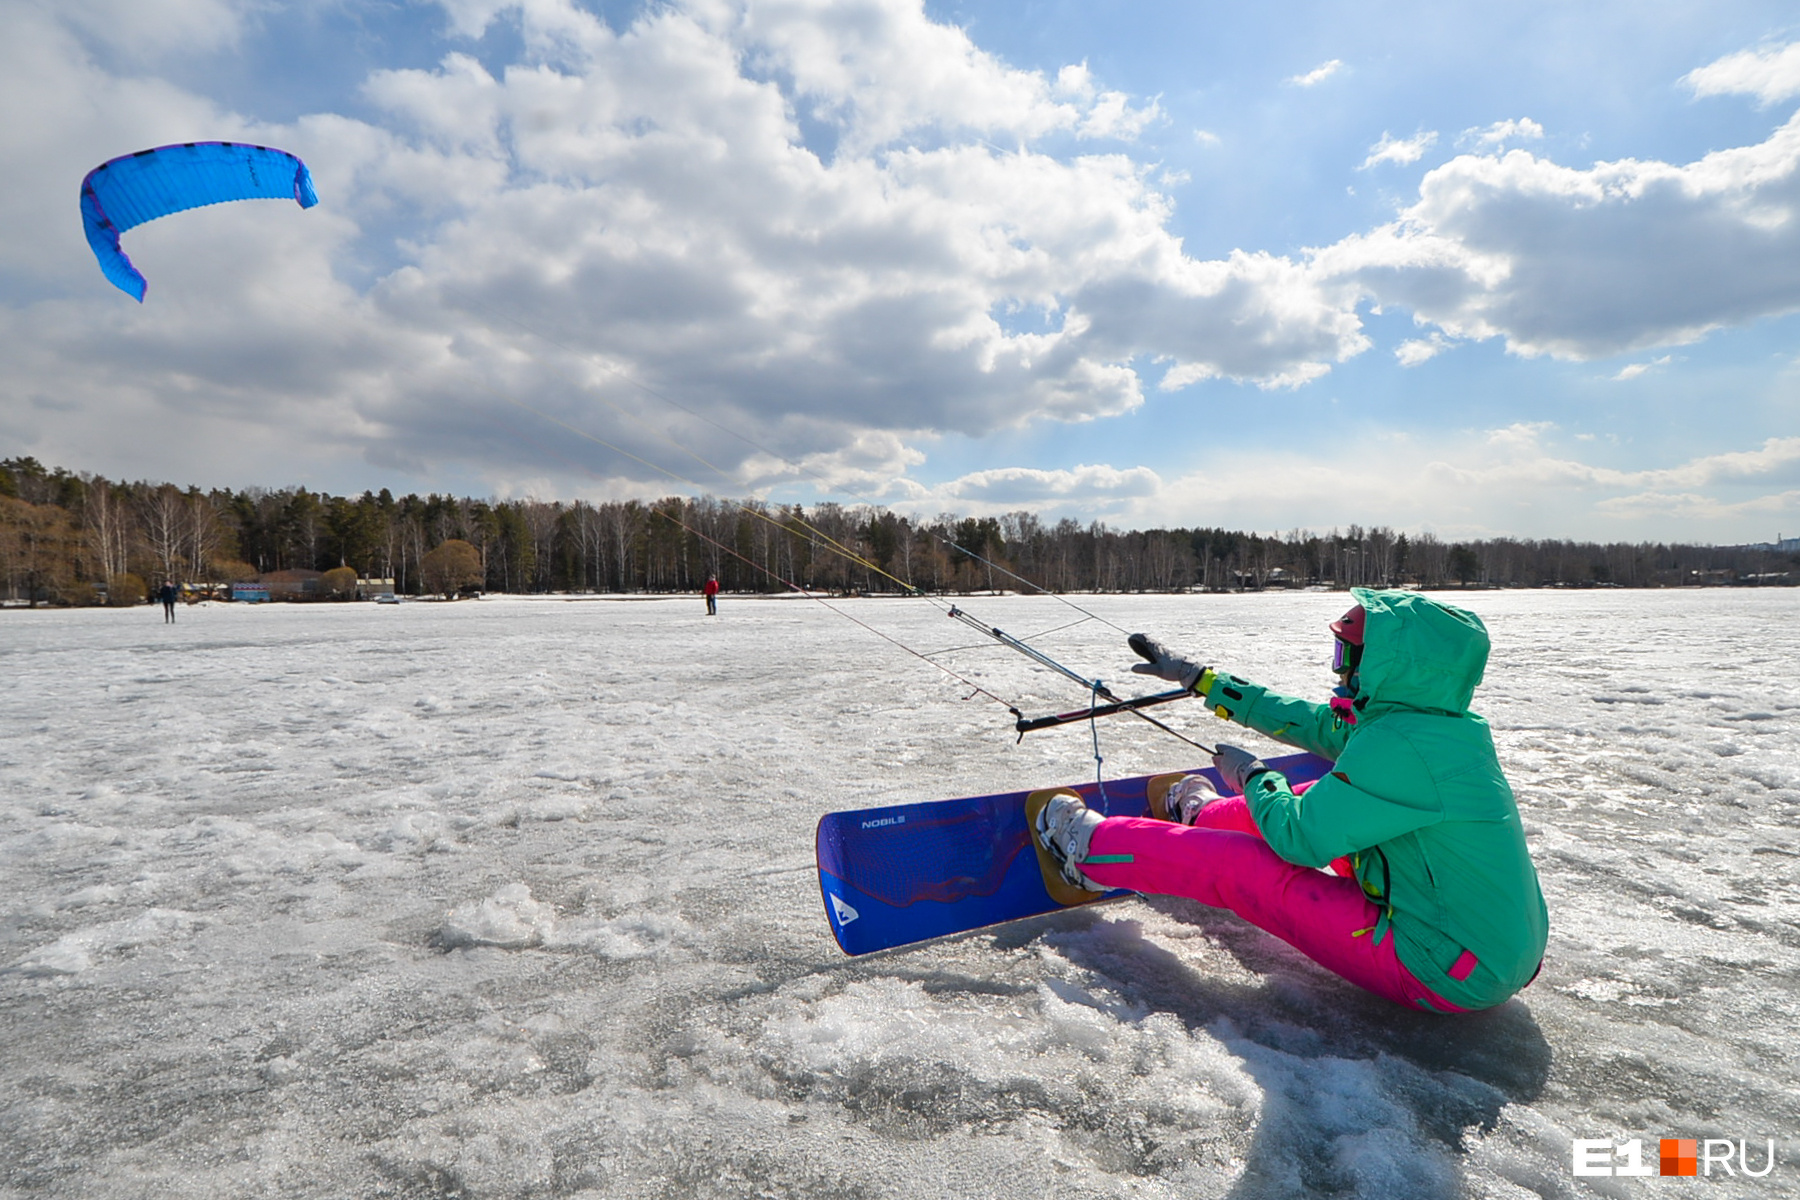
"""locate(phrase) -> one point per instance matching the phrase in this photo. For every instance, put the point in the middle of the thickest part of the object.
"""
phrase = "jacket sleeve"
(1300, 723)
(1381, 790)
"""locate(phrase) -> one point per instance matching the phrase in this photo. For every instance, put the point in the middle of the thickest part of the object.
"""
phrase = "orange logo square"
(1680, 1156)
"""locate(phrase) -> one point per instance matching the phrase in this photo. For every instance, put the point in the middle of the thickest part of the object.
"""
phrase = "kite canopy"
(134, 188)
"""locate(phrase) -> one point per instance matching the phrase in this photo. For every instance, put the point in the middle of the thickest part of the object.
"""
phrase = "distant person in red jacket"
(711, 592)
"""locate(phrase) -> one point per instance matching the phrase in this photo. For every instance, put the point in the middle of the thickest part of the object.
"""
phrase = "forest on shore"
(68, 538)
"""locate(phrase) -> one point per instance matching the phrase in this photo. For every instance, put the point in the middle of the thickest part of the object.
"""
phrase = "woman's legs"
(1230, 814)
(1233, 813)
(1325, 917)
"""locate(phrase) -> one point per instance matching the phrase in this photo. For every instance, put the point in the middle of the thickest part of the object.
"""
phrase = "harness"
(1379, 895)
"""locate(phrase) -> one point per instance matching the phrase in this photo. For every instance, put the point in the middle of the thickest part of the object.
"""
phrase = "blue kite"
(134, 188)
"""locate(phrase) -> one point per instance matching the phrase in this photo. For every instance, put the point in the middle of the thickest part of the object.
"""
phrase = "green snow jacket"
(1416, 800)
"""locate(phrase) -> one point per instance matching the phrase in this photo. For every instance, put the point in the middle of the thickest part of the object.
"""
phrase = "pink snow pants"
(1223, 861)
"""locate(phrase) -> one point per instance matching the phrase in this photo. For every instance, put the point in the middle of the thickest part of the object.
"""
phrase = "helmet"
(1348, 629)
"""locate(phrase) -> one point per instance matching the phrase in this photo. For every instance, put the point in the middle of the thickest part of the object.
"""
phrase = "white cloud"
(1112, 116)
(1520, 457)
(1633, 370)
(1590, 263)
(1206, 137)
(1507, 481)
(1771, 74)
(1184, 375)
(883, 71)
(1086, 487)
(1501, 132)
(1318, 74)
(1777, 458)
(1399, 150)
(1296, 376)
(456, 107)
(865, 464)
(1688, 506)
(1421, 350)
(1076, 80)
(141, 29)
(471, 18)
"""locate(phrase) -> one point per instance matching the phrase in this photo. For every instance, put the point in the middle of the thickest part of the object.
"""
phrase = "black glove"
(1237, 767)
(1163, 663)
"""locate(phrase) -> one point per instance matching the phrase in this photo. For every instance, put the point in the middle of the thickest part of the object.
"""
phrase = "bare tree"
(162, 523)
(202, 535)
(540, 523)
(1379, 551)
(106, 519)
(623, 522)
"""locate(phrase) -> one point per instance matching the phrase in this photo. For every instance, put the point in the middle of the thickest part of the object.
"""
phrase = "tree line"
(72, 538)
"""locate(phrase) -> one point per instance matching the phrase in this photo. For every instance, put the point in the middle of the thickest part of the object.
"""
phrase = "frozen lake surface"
(515, 898)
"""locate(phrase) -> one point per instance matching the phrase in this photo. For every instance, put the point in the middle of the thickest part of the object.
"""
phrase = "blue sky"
(1477, 269)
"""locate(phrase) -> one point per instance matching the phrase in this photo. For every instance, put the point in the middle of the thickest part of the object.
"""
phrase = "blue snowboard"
(911, 872)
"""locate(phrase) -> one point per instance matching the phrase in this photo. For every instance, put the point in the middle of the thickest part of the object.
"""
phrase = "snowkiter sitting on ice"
(1434, 902)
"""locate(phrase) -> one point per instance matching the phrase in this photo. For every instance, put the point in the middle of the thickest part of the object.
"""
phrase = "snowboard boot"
(1179, 798)
(1063, 826)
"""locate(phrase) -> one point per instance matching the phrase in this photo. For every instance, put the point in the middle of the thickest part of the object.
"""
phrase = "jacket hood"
(1419, 653)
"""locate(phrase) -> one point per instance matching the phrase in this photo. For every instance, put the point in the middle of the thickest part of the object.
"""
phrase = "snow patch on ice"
(1388, 1162)
(89, 896)
(509, 919)
(1601, 991)
(625, 937)
(413, 833)
(64, 837)
(1361, 1126)
(1524, 1156)
(556, 808)
(65, 956)
(76, 952)
(260, 854)
(1110, 1086)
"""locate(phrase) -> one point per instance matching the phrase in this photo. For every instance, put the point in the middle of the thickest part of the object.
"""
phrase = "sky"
(1472, 269)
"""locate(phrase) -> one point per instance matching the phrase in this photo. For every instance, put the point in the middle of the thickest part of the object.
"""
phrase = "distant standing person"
(711, 592)
(168, 594)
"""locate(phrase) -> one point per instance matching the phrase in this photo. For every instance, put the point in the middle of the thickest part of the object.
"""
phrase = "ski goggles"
(1344, 657)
